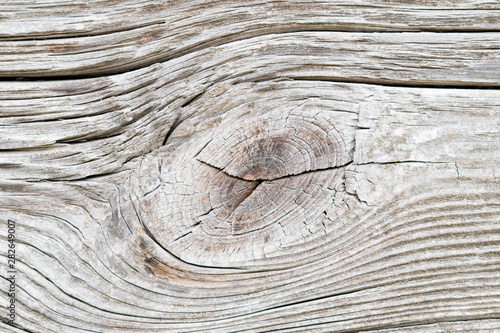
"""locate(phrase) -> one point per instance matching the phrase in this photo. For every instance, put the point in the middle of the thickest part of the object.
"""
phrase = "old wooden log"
(257, 166)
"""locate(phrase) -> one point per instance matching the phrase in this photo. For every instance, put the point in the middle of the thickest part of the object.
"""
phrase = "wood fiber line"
(267, 166)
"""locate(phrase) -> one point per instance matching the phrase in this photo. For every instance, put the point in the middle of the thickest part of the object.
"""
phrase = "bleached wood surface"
(257, 166)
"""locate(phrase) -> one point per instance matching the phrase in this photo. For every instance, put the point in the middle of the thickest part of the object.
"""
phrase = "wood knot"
(254, 184)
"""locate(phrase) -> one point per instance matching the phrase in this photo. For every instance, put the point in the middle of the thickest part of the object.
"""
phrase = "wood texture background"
(251, 166)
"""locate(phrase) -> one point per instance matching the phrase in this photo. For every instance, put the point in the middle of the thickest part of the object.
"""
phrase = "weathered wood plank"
(97, 38)
(35, 19)
(394, 245)
(283, 166)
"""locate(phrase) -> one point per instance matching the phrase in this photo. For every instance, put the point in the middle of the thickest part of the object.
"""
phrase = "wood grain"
(274, 166)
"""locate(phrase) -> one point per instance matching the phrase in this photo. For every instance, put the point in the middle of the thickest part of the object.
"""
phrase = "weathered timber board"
(102, 37)
(258, 166)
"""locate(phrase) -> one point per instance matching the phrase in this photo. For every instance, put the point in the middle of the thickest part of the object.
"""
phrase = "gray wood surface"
(257, 166)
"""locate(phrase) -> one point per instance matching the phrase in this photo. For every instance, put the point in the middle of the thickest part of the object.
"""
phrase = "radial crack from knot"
(283, 177)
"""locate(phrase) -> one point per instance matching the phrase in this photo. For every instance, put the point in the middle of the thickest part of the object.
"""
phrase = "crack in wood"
(260, 180)
(172, 128)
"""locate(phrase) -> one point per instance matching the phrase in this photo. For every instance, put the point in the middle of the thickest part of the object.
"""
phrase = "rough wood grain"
(104, 37)
(235, 170)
